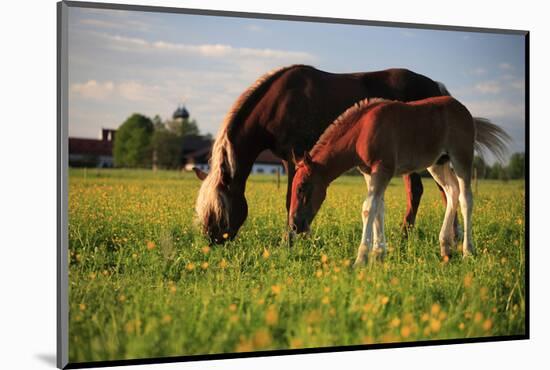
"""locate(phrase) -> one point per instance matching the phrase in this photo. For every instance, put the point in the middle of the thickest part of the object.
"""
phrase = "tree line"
(514, 169)
(141, 142)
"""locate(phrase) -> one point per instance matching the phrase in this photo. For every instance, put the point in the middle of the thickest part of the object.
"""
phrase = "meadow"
(145, 283)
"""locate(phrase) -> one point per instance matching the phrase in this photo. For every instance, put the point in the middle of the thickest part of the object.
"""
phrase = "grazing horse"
(386, 138)
(285, 111)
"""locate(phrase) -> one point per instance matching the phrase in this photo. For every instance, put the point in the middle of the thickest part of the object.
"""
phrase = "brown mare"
(387, 138)
(285, 111)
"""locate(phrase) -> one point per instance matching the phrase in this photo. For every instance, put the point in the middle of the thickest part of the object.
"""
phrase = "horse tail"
(442, 88)
(491, 138)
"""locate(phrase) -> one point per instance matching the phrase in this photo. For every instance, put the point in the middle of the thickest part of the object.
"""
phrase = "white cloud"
(254, 28)
(495, 109)
(518, 84)
(92, 89)
(135, 91)
(505, 66)
(478, 71)
(488, 87)
(118, 24)
(128, 90)
(132, 44)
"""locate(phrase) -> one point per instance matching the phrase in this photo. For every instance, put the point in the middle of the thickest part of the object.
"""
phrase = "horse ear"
(200, 174)
(307, 159)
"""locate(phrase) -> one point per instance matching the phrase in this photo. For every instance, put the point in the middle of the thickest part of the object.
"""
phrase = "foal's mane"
(344, 121)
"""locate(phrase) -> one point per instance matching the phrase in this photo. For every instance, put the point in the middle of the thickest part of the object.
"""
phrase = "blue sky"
(121, 62)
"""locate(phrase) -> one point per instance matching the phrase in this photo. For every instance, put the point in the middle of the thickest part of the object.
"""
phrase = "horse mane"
(211, 203)
(349, 116)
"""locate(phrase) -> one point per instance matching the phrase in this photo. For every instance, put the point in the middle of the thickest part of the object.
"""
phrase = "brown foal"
(386, 138)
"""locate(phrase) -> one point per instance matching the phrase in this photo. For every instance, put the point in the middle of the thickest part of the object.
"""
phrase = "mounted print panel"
(238, 185)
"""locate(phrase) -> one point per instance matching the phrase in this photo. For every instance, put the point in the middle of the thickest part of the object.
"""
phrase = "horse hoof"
(468, 254)
(358, 264)
(445, 259)
(378, 255)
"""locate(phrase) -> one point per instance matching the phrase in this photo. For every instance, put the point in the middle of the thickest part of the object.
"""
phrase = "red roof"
(90, 146)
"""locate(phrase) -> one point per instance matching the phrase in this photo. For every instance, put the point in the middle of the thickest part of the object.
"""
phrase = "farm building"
(267, 162)
(86, 152)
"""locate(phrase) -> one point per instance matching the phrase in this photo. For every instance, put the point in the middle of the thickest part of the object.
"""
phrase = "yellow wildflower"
(271, 316)
(405, 331)
(435, 325)
(261, 339)
(478, 317)
(468, 279)
(296, 343)
(395, 322)
(244, 345)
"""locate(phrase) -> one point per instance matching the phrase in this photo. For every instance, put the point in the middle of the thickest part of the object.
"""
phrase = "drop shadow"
(47, 358)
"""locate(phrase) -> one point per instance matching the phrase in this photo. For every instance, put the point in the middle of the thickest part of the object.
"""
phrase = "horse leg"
(371, 206)
(456, 224)
(379, 240)
(290, 171)
(463, 173)
(414, 189)
(446, 179)
(379, 248)
(364, 208)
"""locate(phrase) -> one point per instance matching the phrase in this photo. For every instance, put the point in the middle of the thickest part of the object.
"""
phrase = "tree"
(516, 166)
(498, 171)
(182, 127)
(132, 142)
(166, 147)
(157, 122)
(480, 167)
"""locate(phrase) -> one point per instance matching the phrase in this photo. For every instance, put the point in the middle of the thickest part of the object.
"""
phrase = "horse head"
(308, 193)
(221, 206)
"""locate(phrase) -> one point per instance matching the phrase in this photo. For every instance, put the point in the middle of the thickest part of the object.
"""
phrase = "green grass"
(142, 284)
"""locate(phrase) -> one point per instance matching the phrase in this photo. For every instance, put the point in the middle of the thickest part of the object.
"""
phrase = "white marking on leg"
(466, 206)
(463, 172)
(370, 212)
(444, 176)
(379, 236)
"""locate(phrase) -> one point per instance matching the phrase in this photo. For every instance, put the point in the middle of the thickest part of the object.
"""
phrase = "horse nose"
(293, 227)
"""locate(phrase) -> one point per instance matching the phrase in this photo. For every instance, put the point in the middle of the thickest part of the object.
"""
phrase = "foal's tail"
(491, 138)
